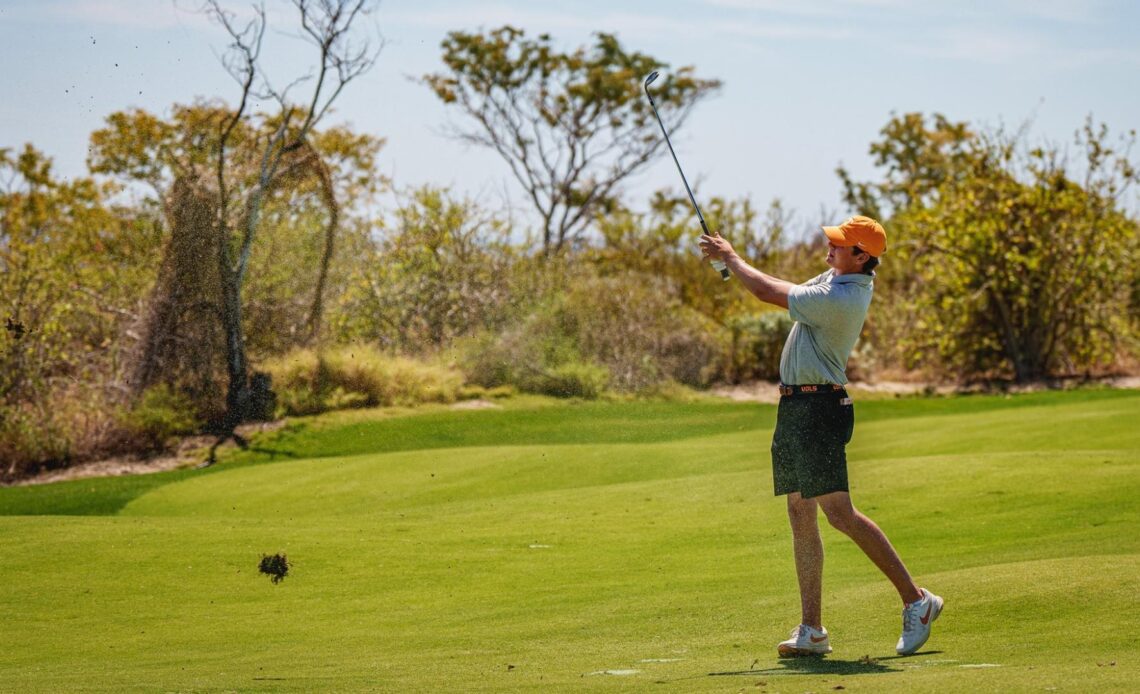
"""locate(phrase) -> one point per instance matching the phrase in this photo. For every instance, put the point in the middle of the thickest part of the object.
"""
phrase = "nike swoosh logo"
(819, 640)
(926, 617)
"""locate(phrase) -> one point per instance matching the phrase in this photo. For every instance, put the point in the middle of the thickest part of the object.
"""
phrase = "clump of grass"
(477, 392)
(310, 382)
(571, 380)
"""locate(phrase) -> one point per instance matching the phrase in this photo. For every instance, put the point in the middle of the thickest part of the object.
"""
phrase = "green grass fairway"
(598, 546)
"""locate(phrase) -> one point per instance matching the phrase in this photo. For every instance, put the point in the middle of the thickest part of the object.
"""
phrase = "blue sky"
(807, 83)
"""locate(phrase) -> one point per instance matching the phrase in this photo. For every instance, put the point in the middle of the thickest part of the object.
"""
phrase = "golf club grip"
(725, 275)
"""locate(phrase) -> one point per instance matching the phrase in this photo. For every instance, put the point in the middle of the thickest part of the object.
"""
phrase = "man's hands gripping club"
(716, 247)
(765, 287)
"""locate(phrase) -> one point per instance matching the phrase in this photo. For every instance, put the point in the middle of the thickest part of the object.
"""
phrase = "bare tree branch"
(328, 25)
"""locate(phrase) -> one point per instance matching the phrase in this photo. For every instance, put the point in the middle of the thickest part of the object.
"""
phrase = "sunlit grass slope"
(607, 546)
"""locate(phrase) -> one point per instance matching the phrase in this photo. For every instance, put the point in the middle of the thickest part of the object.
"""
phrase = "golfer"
(816, 419)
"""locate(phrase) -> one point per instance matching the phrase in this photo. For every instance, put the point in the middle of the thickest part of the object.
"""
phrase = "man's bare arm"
(772, 290)
(765, 287)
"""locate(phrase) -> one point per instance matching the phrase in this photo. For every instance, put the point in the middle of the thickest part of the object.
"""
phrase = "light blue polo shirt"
(828, 312)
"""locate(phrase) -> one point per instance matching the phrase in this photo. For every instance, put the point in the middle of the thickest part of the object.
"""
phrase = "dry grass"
(309, 382)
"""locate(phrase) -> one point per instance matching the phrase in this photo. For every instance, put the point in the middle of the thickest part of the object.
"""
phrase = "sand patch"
(475, 405)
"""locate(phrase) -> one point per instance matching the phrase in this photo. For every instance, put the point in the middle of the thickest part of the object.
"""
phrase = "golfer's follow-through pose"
(816, 419)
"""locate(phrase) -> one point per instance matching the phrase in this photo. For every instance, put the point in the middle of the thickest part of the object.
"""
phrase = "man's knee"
(842, 522)
(839, 511)
(801, 511)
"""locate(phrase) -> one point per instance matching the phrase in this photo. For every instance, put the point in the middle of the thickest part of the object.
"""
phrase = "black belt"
(810, 389)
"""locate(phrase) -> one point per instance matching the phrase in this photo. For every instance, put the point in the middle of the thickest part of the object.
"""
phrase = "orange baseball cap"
(862, 232)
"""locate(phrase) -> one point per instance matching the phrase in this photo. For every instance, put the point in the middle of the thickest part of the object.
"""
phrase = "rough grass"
(535, 549)
(308, 382)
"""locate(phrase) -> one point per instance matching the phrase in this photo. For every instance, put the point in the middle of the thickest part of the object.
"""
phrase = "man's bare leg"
(808, 549)
(844, 518)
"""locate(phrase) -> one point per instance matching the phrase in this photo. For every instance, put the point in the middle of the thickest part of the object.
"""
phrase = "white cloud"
(468, 15)
(983, 46)
(811, 8)
(629, 25)
(1065, 11)
(1009, 47)
(997, 32)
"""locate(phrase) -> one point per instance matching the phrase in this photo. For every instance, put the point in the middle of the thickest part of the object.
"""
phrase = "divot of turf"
(275, 566)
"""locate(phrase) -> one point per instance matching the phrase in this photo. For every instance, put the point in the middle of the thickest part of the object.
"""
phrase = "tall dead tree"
(329, 26)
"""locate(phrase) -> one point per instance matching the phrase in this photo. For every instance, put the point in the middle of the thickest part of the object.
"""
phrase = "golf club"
(717, 265)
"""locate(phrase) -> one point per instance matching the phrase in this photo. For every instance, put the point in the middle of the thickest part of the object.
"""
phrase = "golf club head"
(649, 80)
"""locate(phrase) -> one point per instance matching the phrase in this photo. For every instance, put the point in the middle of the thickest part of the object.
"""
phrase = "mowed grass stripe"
(531, 421)
(351, 433)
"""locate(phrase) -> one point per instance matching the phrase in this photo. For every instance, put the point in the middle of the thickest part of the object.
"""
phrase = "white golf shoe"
(917, 619)
(805, 640)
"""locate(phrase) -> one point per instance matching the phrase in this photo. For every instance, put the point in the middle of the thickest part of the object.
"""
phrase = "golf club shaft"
(717, 264)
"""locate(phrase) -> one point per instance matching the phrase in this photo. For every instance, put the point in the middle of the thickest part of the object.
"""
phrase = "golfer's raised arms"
(764, 287)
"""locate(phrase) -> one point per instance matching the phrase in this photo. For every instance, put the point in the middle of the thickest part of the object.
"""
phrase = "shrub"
(520, 356)
(80, 423)
(308, 382)
(635, 325)
(572, 380)
(440, 268)
(671, 391)
(76, 423)
(630, 325)
(485, 360)
(297, 377)
(30, 441)
(161, 413)
(758, 341)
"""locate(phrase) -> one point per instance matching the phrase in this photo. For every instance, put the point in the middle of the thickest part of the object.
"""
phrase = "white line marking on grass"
(618, 673)
(977, 665)
(660, 660)
(541, 546)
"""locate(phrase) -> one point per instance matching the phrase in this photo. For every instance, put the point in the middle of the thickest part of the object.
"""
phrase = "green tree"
(917, 157)
(1013, 255)
(71, 267)
(570, 125)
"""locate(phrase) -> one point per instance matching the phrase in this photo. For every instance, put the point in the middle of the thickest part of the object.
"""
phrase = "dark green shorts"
(809, 448)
